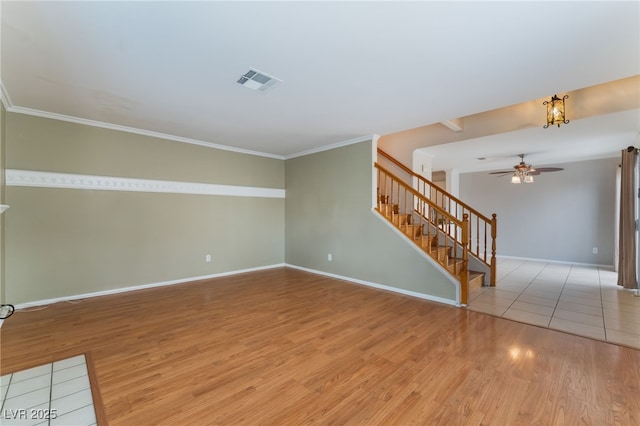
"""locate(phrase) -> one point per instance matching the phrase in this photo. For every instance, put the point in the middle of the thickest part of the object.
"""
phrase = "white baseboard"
(376, 285)
(141, 287)
(560, 262)
(45, 302)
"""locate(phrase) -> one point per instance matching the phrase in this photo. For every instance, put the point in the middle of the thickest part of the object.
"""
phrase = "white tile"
(27, 400)
(25, 417)
(578, 307)
(577, 328)
(623, 338)
(542, 295)
(70, 386)
(620, 324)
(620, 296)
(513, 281)
(581, 299)
(487, 308)
(498, 293)
(69, 373)
(582, 291)
(495, 299)
(542, 287)
(29, 385)
(4, 380)
(527, 317)
(532, 307)
(69, 362)
(595, 320)
(82, 416)
(3, 392)
(474, 293)
(509, 288)
(72, 402)
(31, 372)
(537, 300)
(615, 312)
(622, 305)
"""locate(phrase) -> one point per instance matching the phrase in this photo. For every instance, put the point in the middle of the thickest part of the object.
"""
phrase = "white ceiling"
(601, 136)
(349, 69)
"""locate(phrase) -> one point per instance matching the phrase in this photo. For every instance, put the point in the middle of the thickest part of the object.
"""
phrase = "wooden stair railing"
(420, 219)
(482, 229)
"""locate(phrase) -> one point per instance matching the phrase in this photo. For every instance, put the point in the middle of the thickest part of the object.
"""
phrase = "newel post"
(494, 263)
(464, 275)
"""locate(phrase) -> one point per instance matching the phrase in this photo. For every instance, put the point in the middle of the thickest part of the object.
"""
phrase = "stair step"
(441, 253)
(400, 219)
(388, 209)
(476, 279)
(412, 231)
(453, 264)
(427, 242)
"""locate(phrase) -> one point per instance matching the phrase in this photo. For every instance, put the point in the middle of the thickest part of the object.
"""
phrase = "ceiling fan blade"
(500, 173)
(548, 169)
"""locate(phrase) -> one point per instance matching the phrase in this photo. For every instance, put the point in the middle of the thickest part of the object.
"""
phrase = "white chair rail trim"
(108, 183)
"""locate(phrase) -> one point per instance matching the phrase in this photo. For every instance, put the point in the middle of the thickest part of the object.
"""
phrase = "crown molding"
(30, 178)
(10, 107)
(333, 146)
(93, 123)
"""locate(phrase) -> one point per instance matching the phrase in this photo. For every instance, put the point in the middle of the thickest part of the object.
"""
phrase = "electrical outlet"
(595, 250)
(207, 258)
(329, 257)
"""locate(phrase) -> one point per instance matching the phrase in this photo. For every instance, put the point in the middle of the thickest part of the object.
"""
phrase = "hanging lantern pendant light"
(555, 111)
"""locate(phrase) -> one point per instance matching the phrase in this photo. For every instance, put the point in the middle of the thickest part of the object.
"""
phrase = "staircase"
(445, 228)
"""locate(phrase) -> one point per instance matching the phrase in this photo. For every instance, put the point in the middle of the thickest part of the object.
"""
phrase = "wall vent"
(257, 80)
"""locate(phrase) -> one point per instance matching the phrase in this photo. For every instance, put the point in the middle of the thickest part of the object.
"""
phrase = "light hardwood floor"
(287, 347)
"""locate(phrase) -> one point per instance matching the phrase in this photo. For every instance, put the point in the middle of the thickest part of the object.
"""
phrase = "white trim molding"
(69, 298)
(142, 287)
(332, 146)
(559, 262)
(376, 285)
(120, 128)
(108, 183)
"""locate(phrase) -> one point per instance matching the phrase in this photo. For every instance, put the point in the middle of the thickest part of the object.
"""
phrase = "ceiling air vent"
(257, 80)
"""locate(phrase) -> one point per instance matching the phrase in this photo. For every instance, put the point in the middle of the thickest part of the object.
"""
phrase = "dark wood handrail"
(432, 185)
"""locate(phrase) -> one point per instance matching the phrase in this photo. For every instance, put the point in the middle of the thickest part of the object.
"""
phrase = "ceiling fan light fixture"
(556, 111)
(523, 172)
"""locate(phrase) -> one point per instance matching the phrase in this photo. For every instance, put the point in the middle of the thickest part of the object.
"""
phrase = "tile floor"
(578, 299)
(52, 394)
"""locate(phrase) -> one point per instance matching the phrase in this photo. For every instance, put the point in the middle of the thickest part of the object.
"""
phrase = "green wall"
(328, 210)
(2, 201)
(66, 242)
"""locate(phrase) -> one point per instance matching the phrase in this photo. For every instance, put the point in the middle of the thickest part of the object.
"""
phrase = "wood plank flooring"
(283, 346)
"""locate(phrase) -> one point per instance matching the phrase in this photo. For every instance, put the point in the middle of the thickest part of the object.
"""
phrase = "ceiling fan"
(525, 172)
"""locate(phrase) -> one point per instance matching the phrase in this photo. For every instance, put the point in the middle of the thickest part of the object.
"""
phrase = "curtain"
(627, 231)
